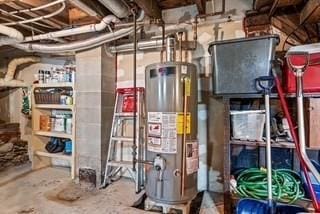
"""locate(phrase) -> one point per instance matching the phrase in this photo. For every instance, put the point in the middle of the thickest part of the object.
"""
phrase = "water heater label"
(162, 132)
(192, 153)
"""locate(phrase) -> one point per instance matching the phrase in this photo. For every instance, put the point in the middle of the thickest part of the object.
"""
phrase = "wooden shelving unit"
(40, 157)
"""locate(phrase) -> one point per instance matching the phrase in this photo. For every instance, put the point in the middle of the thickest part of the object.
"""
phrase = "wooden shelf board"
(54, 155)
(53, 106)
(54, 85)
(53, 134)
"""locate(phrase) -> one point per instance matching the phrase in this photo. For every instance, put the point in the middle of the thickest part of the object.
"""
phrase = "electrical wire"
(286, 185)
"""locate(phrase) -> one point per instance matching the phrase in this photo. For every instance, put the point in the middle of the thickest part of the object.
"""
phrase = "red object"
(311, 76)
(128, 103)
(128, 98)
(294, 134)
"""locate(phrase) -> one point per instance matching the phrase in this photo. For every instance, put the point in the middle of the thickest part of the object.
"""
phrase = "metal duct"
(75, 46)
(117, 7)
(141, 46)
(170, 48)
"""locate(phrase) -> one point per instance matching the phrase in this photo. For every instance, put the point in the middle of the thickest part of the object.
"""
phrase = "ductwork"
(117, 7)
(75, 46)
(141, 46)
(78, 45)
(11, 33)
(8, 80)
(75, 31)
(13, 64)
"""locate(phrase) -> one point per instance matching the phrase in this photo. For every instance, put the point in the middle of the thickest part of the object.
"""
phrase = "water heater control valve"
(159, 163)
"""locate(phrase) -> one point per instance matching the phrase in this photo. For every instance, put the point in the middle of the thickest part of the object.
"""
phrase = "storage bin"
(46, 97)
(311, 76)
(247, 125)
(237, 63)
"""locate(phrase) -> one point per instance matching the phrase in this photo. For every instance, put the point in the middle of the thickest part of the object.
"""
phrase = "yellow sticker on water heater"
(187, 87)
(180, 123)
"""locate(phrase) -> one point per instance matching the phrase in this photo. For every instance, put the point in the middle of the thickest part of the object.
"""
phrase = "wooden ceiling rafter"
(150, 7)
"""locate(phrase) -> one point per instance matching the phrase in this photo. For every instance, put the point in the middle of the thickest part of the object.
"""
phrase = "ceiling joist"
(150, 7)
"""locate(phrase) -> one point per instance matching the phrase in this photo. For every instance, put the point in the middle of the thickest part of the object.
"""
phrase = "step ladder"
(123, 117)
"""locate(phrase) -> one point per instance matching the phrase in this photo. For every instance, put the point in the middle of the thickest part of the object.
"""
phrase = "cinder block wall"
(95, 93)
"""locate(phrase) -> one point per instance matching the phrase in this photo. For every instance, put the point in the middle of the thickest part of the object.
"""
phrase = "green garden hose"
(286, 185)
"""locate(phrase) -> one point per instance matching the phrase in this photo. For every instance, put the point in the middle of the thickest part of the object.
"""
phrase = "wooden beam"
(288, 24)
(150, 7)
(311, 12)
(201, 5)
(258, 4)
(256, 20)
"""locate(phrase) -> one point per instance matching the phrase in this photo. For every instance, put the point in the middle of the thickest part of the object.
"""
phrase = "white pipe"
(11, 33)
(75, 46)
(63, 5)
(37, 8)
(13, 64)
(75, 31)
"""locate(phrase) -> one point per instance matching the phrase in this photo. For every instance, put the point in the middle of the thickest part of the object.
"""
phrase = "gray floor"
(50, 190)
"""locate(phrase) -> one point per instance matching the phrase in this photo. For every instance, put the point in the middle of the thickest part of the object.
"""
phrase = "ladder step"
(127, 164)
(127, 139)
(124, 114)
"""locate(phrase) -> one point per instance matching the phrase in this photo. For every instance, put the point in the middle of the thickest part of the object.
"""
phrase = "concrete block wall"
(95, 93)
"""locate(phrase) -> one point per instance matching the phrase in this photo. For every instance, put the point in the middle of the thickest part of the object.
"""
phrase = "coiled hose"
(286, 185)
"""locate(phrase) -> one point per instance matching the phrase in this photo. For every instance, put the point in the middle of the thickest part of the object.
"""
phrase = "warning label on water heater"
(162, 132)
(192, 153)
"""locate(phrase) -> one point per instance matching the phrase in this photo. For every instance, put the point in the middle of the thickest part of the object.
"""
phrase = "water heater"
(172, 148)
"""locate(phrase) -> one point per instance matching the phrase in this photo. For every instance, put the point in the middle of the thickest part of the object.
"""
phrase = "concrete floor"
(50, 190)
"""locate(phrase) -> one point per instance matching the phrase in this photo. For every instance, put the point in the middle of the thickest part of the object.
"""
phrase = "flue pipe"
(117, 7)
(170, 48)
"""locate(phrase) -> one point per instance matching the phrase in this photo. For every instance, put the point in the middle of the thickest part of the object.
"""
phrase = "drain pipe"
(75, 31)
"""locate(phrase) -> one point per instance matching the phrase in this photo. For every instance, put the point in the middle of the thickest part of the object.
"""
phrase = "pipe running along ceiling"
(16, 39)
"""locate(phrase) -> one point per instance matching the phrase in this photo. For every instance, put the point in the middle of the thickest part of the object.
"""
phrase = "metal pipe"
(301, 127)
(170, 48)
(117, 7)
(134, 146)
(180, 34)
(163, 42)
(268, 146)
(74, 46)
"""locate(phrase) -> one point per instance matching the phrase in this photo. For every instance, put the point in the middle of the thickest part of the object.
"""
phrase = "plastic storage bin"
(311, 76)
(247, 125)
(237, 63)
